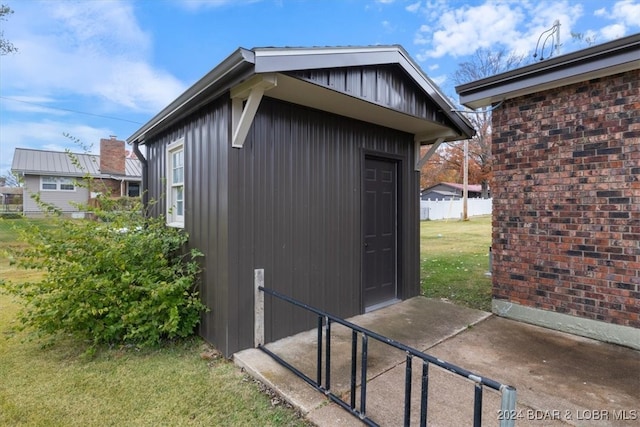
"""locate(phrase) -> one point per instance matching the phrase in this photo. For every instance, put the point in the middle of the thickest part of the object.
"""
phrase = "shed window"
(57, 183)
(175, 184)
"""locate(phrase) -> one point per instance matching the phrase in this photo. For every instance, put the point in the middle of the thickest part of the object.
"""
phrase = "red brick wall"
(566, 221)
(112, 156)
(108, 187)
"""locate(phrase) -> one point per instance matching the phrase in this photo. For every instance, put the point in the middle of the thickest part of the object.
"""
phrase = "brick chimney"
(112, 156)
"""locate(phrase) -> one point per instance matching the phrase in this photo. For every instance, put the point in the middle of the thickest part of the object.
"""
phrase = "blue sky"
(97, 68)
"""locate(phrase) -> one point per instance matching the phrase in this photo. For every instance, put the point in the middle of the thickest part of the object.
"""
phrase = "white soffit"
(311, 95)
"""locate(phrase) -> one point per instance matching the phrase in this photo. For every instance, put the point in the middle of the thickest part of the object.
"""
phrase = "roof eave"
(241, 57)
(602, 60)
(243, 63)
(282, 60)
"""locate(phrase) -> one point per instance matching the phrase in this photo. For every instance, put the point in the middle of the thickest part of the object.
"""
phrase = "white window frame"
(58, 181)
(175, 215)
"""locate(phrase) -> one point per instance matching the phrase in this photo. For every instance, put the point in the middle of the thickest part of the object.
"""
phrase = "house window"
(57, 183)
(133, 189)
(175, 184)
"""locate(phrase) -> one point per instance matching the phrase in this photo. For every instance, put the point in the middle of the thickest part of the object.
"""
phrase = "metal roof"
(11, 190)
(245, 63)
(470, 187)
(602, 60)
(42, 162)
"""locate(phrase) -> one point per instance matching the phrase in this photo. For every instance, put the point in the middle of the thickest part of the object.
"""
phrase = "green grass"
(175, 385)
(454, 257)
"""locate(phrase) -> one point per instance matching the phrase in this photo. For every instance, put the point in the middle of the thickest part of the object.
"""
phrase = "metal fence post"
(508, 406)
(258, 306)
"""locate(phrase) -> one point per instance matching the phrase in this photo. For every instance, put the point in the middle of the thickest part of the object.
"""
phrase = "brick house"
(58, 176)
(566, 190)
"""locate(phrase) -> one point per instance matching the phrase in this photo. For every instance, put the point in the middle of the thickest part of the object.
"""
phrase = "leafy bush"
(10, 215)
(120, 279)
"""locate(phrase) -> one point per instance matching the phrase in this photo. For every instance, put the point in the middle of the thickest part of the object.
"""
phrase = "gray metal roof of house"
(471, 187)
(42, 162)
(606, 59)
(244, 63)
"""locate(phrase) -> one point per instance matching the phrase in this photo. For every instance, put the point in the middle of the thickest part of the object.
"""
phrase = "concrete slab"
(561, 379)
(578, 381)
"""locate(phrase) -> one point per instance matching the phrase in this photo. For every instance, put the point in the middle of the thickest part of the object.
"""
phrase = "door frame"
(400, 162)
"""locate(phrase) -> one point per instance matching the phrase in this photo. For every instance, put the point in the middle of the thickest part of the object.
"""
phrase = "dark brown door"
(380, 229)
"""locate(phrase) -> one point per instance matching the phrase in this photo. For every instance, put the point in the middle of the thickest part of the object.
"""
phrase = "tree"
(483, 63)
(11, 179)
(5, 45)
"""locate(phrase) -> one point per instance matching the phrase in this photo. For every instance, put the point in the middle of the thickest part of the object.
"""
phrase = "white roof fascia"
(617, 56)
(292, 59)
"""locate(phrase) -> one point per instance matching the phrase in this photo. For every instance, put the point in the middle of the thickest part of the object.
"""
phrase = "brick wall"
(112, 156)
(107, 187)
(566, 210)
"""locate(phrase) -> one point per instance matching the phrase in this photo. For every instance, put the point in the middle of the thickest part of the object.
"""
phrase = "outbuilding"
(303, 163)
(566, 190)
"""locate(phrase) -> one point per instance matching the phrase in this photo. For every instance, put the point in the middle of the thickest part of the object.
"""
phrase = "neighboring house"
(10, 196)
(566, 190)
(59, 177)
(302, 162)
(450, 191)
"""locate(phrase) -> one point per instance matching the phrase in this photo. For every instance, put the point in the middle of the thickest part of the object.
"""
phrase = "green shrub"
(10, 215)
(121, 279)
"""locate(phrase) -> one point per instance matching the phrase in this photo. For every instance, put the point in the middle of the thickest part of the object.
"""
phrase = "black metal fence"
(508, 400)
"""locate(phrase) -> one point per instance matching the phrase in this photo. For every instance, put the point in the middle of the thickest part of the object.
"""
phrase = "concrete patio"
(561, 379)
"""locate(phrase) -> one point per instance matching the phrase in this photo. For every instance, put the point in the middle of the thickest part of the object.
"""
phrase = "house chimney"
(112, 156)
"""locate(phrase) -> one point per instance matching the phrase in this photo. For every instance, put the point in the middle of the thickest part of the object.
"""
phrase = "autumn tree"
(483, 63)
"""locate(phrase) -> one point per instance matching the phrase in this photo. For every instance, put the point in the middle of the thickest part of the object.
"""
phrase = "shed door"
(380, 232)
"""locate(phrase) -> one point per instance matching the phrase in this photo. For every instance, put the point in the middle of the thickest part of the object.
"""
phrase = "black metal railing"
(325, 320)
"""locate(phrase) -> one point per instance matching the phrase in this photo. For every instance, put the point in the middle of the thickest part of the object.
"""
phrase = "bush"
(10, 215)
(124, 279)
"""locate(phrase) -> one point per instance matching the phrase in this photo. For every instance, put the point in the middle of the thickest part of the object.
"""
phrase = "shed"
(303, 162)
(566, 190)
(450, 191)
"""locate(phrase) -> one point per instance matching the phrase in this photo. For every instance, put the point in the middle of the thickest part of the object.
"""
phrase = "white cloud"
(47, 135)
(413, 8)
(90, 49)
(613, 31)
(626, 13)
(439, 80)
(466, 29)
(515, 26)
(90, 57)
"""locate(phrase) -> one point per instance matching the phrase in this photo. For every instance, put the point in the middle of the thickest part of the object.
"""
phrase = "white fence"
(446, 209)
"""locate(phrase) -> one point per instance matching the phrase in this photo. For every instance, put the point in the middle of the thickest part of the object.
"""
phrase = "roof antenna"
(553, 31)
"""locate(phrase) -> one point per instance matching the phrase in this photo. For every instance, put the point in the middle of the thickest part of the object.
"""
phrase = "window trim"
(59, 181)
(172, 217)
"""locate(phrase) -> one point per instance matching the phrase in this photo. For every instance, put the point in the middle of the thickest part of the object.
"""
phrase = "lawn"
(454, 257)
(182, 384)
(185, 383)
